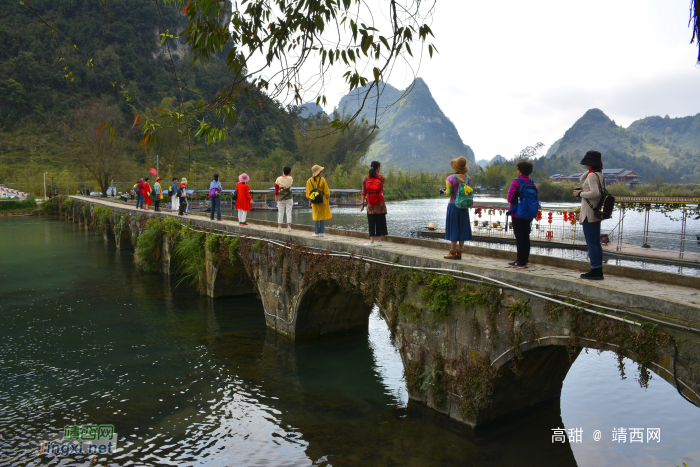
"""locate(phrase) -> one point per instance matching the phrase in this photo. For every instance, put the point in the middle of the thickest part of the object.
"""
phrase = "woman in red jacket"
(147, 193)
(243, 198)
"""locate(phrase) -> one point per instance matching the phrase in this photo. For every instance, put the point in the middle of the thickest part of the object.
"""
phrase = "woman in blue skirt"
(457, 226)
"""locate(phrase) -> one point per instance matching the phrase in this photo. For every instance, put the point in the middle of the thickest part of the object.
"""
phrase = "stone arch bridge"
(478, 341)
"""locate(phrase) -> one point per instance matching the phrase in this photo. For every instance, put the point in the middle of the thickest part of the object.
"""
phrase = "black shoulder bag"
(606, 205)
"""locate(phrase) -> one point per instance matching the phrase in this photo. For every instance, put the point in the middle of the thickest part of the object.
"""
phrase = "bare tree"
(98, 151)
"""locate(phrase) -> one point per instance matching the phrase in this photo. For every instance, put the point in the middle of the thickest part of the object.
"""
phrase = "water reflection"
(86, 338)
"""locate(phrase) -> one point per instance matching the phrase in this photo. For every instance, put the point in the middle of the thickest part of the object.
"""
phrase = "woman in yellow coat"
(321, 211)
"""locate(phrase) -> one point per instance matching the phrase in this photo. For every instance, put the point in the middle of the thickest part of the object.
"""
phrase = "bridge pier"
(223, 278)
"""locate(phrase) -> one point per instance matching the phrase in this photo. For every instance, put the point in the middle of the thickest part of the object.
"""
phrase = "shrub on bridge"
(191, 258)
(102, 218)
(67, 205)
(149, 248)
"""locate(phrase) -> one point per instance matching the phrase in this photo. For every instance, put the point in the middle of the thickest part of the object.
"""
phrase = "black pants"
(377, 225)
(157, 203)
(521, 229)
(183, 205)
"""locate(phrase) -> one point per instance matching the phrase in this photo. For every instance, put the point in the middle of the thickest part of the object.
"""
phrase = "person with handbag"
(457, 225)
(243, 198)
(215, 198)
(284, 197)
(373, 199)
(592, 183)
(319, 194)
(158, 190)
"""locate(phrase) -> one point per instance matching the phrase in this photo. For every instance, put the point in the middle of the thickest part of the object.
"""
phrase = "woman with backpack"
(138, 189)
(373, 199)
(243, 198)
(522, 192)
(592, 183)
(457, 226)
(319, 194)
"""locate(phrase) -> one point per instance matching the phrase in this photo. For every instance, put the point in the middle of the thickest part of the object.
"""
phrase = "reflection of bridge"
(478, 340)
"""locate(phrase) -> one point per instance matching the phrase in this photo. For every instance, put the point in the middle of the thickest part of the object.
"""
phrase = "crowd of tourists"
(522, 198)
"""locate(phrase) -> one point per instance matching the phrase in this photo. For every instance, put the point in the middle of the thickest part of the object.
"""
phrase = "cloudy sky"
(512, 73)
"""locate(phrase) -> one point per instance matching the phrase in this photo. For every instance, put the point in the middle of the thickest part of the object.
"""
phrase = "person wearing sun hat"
(243, 198)
(321, 212)
(457, 226)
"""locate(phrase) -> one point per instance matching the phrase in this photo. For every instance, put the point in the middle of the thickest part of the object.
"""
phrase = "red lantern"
(478, 212)
(539, 216)
(550, 217)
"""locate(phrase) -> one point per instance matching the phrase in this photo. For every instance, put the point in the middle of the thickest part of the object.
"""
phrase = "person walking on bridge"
(589, 191)
(373, 199)
(319, 194)
(284, 197)
(147, 192)
(243, 198)
(457, 226)
(215, 198)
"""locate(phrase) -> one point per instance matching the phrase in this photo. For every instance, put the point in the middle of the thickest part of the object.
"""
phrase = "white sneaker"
(321, 235)
(370, 244)
(289, 229)
(379, 243)
(279, 229)
(316, 235)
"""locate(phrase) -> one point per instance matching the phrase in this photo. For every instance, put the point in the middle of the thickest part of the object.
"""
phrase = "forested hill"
(672, 144)
(42, 114)
(683, 132)
(414, 134)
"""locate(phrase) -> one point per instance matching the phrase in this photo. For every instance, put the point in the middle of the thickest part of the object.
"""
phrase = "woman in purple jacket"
(521, 227)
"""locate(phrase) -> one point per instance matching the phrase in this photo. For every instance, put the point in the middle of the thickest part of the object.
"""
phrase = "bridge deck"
(670, 302)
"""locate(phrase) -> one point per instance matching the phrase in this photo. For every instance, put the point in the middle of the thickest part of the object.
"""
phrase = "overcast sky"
(512, 73)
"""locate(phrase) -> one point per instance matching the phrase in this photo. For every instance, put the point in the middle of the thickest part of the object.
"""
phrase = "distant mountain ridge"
(414, 133)
(497, 159)
(653, 146)
(660, 139)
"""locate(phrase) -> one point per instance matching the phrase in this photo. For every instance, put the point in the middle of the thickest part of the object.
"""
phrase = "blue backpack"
(527, 206)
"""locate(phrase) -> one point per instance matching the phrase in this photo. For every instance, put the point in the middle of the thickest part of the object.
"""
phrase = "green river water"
(86, 338)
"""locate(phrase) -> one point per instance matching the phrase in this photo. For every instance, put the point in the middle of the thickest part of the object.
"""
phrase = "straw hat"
(184, 180)
(315, 170)
(243, 178)
(459, 165)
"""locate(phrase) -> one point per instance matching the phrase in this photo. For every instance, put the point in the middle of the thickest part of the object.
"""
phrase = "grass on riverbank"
(17, 204)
